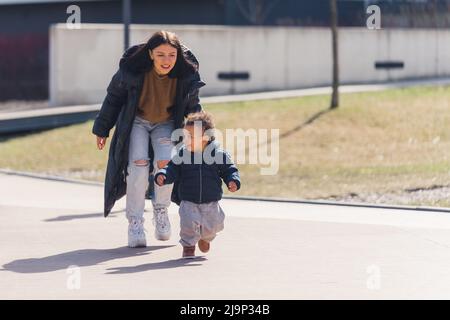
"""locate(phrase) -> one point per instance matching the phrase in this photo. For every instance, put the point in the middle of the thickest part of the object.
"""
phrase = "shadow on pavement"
(80, 258)
(68, 217)
(169, 264)
(81, 216)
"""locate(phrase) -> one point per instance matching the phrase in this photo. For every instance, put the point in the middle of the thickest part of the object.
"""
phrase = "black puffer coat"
(119, 109)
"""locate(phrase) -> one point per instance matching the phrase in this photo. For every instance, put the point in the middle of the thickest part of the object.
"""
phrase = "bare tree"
(256, 11)
(334, 36)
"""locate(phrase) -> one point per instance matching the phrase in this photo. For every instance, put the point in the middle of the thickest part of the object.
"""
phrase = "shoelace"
(137, 227)
(161, 217)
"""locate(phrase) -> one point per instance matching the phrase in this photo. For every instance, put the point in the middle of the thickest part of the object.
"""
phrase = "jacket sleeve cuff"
(99, 131)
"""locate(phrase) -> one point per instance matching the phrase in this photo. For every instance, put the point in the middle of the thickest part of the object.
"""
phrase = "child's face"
(194, 139)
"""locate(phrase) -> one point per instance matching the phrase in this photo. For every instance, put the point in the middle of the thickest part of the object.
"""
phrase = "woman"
(155, 88)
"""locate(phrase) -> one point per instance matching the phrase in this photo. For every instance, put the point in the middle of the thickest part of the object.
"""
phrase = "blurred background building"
(24, 25)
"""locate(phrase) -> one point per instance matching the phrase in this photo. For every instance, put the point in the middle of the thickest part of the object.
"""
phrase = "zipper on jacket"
(200, 183)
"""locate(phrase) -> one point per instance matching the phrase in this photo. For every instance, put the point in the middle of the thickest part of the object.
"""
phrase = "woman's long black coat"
(119, 108)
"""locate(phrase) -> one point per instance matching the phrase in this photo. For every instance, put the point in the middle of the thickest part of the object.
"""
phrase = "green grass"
(374, 142)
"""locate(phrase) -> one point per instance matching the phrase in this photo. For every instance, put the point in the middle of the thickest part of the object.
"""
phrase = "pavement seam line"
(248, 198)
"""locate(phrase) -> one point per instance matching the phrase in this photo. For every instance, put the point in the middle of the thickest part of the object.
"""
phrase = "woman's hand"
(160, 180)
(232, 186)
(101, 141)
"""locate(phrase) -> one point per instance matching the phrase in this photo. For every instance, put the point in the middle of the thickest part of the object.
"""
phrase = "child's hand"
(160, 180)
(232, 186)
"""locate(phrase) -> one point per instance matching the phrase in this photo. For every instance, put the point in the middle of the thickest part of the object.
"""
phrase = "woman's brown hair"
(182, 65)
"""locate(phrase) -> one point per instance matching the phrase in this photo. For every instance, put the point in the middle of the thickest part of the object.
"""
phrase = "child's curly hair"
(206, 121)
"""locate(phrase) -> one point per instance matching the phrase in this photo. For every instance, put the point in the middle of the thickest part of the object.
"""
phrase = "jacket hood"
(136, 59)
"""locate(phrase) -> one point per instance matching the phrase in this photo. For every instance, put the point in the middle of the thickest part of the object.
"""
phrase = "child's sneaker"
(203, 246)
(189, 252)
(136, 234)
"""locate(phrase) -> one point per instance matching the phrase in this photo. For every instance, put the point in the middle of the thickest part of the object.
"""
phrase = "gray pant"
(200, 221)
(138, 174)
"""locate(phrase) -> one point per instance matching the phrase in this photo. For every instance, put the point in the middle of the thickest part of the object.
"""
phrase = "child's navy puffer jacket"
(200, 183)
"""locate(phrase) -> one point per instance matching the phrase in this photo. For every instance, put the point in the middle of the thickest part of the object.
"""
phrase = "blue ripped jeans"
(138, 173)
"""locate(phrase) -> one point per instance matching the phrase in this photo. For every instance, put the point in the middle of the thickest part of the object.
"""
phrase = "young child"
(197, 172)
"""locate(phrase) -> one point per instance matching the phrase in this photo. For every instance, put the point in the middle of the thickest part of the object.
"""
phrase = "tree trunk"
(334, 36)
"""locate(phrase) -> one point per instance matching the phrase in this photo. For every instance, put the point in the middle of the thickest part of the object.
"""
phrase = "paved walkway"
(38, 116)
(345, 88)
(268, 250)
(37, 109)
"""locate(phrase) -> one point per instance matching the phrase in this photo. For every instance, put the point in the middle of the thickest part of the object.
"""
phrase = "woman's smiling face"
(164, 57)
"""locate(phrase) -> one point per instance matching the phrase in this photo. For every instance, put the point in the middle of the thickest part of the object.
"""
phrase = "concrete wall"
(82, 61)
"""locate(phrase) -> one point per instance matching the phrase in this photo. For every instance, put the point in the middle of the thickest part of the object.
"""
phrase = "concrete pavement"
(55, 243)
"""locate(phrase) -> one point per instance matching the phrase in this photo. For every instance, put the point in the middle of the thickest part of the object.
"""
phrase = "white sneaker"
(161, 223)
(136, 234)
